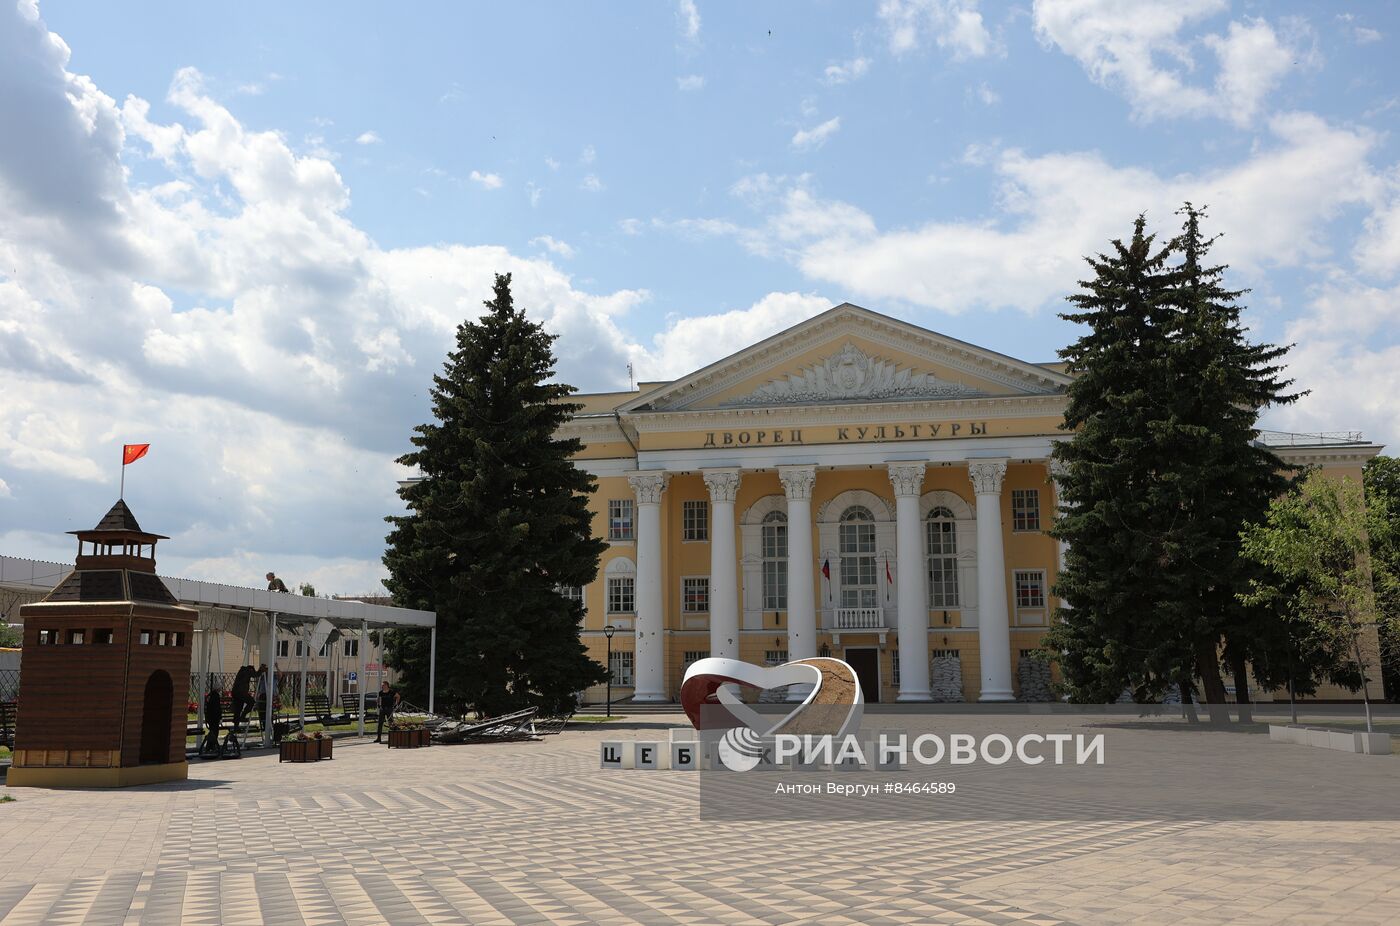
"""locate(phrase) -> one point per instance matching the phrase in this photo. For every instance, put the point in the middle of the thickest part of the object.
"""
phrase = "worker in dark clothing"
(213, 717)
(275, 584)
(242, 695)
(388, 702)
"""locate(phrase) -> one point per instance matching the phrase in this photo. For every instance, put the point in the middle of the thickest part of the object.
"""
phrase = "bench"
(8, 711)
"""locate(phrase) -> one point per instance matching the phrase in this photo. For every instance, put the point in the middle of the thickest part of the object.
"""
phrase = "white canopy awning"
(221, 604)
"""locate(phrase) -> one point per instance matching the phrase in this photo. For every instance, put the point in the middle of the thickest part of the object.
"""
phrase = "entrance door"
(866, 661)
(155, 718)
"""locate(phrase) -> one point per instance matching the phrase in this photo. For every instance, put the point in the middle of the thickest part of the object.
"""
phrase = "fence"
(288, 686)
(9, 684)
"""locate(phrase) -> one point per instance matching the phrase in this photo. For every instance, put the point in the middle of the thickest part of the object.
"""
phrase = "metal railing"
(1321, 438)
(859, 618)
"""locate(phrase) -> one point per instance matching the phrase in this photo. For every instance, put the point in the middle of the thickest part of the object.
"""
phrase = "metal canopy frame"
(251, 614)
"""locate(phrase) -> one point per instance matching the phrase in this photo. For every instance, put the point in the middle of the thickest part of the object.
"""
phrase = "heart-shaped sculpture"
(832, 706)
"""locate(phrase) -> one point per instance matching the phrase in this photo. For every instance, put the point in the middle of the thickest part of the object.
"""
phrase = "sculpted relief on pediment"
(849, 375)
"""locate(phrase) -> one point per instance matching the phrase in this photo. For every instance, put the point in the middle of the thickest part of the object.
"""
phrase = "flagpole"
(121, 493)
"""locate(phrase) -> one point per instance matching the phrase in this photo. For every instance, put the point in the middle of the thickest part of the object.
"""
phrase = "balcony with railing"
(859, 618)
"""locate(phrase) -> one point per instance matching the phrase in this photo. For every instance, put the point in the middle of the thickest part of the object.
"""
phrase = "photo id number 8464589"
(920, 787)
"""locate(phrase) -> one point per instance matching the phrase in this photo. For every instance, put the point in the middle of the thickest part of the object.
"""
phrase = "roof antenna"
(631, 385)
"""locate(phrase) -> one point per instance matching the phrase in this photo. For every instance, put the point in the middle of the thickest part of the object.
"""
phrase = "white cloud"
(688, 20)
(551, 163)
(588, 155)
(533, 192)
(1274, 208)
(1347, 355)
(226, 309)
(691, 82)
(817, 136)
(488, 181)
(984, 94)
(368, 138)
(955, 26)
(591, 183)
(846, 71)
(691, 343)
(1140, 51)
(554, 246)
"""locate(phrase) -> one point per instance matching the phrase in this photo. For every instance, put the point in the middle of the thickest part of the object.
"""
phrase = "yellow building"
(855, 485)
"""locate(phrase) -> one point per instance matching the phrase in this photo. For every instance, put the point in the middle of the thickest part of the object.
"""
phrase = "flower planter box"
(409, 739)
(312, 750)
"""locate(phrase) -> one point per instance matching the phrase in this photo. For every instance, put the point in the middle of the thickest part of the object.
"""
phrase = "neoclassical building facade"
(853, 486)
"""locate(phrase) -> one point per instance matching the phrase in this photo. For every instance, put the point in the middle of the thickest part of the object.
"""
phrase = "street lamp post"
(608, 631)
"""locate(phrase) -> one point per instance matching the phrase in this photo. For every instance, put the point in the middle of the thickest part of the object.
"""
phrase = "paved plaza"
(537, 833)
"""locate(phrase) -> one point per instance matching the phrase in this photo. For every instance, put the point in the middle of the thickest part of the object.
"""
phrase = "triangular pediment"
(850, 355)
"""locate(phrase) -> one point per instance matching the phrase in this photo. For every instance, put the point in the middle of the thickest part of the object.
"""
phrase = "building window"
(50, 637)
(694, 655)
(620, 523)
(572, 593)
(102, 636)
(857, 549)
(894, 667)
(160, 638)
(1025, 509)
(323, 651)
(775, 657)
(178, 639)
(622, 595)
(775, 551)
(942, 552)
(145, 638)
(283, 647)
(350, 646)
(621, 665)
(695, 595)
(75, 637)
(695, 520)
(1030, 588)
(945, 654)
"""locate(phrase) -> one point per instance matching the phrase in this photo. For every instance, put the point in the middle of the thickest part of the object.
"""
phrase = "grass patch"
(6, 799)
(4, 752)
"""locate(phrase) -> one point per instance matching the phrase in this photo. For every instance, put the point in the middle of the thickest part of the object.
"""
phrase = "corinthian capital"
(907, 478)
(797, 481)
(722, 483)
(649, 486)
(987, 476)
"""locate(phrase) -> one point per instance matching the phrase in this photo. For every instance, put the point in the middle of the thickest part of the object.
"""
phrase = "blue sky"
(246, 235)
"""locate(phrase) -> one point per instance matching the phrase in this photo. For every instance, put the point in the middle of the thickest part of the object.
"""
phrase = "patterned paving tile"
(536, 833)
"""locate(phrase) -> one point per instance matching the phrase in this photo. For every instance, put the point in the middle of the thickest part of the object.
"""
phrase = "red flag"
(826, 570)
(889, 579)
(133, 452)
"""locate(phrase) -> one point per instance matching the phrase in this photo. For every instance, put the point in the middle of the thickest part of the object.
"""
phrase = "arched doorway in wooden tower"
(155, 718)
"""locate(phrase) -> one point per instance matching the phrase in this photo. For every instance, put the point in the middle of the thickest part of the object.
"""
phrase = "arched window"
(775, 551)
(942, 552)
(857, 550)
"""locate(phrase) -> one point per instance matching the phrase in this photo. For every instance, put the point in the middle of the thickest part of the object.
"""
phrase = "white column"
(993, 619)
(650, 654)
(911, 585)
(724, 568)
(802, 605)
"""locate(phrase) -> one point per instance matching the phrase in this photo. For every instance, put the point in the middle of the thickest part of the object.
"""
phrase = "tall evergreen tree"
(1223, 476)
(1118, 514)
(1162, 473)
(497, 524)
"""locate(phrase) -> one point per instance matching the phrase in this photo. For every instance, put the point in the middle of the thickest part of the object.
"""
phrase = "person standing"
(242, 695)
(213, 718)
(388, 703)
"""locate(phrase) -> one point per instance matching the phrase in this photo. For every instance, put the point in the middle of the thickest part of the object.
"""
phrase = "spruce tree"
(1117, 519)
(1223, 476)
(496, 525)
